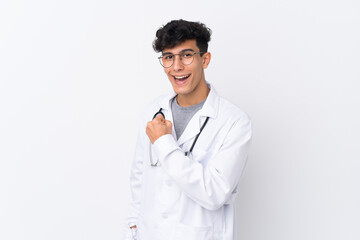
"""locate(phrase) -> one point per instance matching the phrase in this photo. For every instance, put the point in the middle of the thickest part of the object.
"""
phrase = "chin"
(179, 91)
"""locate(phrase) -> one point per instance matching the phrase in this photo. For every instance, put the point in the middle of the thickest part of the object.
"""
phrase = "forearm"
(210, 185)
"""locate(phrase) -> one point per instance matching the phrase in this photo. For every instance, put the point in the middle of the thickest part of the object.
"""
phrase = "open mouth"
(181, 78)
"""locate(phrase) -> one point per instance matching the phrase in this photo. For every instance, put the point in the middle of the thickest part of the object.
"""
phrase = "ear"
(206, 59)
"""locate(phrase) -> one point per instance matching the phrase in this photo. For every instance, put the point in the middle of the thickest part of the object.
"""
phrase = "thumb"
(168, 124)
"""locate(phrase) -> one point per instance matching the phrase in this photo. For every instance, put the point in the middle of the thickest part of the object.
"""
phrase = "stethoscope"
(186, 153)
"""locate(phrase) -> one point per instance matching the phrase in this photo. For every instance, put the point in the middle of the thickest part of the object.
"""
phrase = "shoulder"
(231, 111)
(223, 109)
(234, 121)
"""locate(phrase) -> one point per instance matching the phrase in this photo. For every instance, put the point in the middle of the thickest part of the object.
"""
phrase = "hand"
(158, 127)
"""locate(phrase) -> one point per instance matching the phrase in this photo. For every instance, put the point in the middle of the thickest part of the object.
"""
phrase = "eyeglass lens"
(186, 58)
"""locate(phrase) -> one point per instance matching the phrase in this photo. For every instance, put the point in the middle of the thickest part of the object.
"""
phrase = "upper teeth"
(181, 77)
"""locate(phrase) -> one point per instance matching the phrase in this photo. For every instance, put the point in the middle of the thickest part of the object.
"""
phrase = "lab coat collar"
(209, 109)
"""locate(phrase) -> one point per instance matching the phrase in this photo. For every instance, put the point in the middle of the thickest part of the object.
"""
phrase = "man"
(191, 150)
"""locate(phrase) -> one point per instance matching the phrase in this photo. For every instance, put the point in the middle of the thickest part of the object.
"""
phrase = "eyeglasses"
(186, 58)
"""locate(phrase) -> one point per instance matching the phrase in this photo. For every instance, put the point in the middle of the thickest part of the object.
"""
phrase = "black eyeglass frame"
(179, 57)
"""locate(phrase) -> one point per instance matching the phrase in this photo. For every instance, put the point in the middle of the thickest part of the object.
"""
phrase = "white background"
(75, 76)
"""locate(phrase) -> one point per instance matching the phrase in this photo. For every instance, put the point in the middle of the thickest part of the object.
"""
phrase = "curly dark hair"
(178, 31)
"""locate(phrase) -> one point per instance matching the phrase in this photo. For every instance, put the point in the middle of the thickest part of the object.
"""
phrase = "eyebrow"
(184, 50)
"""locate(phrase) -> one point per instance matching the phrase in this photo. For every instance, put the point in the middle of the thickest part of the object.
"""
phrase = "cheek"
(168, 73)
(167, 70)
(196, 73)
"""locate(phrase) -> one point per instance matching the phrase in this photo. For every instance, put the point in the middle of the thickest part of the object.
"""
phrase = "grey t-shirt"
(182, 115)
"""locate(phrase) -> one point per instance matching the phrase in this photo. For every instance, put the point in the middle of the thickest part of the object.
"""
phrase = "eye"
(187, 54)
(168, 57)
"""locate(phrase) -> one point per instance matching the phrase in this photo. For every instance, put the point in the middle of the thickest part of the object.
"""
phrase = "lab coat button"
(165, 215)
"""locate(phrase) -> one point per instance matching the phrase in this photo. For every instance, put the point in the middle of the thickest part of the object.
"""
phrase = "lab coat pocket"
(187, 232)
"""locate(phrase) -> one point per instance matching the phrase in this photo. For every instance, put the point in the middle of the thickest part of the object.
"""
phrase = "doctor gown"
(189, 197)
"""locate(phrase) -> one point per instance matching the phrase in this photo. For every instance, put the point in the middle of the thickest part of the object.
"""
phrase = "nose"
(177, 65)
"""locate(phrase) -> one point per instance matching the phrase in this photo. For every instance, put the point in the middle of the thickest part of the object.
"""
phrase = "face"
(188, 81)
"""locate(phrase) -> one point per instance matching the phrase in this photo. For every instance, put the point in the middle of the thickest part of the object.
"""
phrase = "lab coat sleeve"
(136, 175)
(210, 186)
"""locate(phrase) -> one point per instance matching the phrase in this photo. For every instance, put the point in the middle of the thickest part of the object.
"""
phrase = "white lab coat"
(193, 197)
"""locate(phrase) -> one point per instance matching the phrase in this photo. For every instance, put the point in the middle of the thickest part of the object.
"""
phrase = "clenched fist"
(158, 127)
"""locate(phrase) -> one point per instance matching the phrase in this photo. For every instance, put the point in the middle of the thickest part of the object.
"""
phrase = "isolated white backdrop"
(75, 75)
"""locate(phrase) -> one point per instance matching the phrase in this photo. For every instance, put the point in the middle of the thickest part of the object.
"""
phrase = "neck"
(195, 97)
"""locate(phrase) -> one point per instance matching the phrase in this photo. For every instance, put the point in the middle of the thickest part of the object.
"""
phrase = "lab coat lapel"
(191, 129)
(209, 109)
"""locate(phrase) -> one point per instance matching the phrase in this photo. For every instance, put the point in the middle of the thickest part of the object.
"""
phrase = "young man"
(191, 150)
